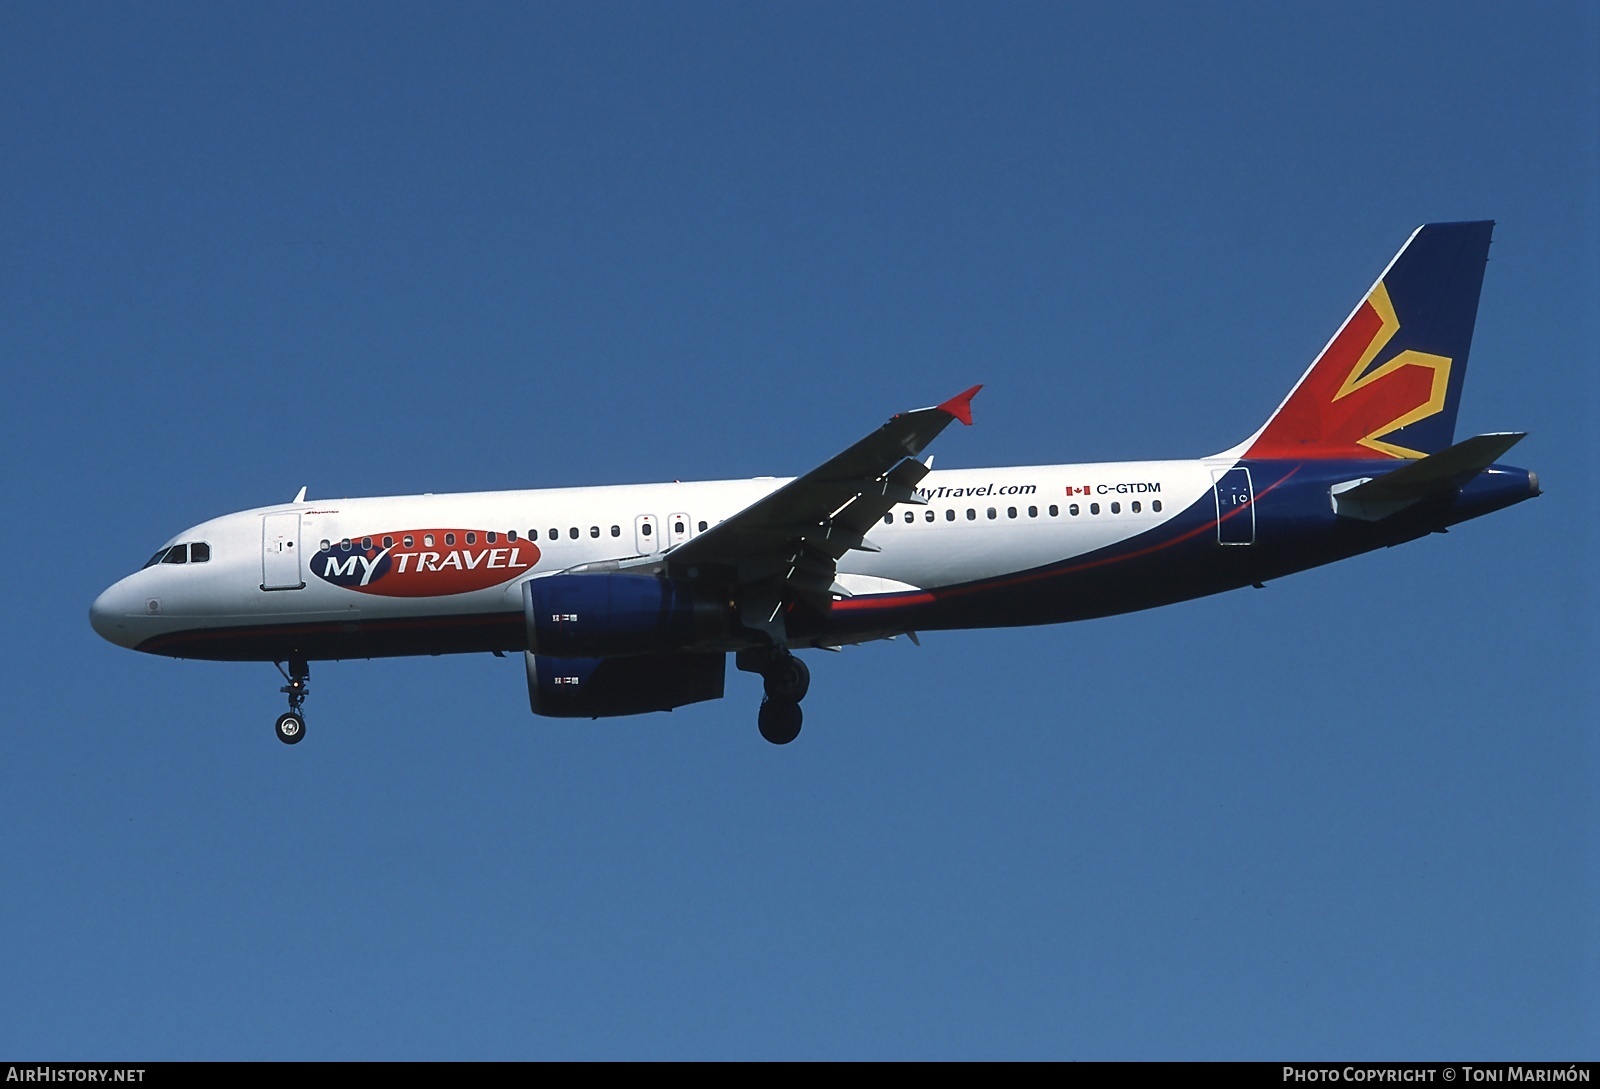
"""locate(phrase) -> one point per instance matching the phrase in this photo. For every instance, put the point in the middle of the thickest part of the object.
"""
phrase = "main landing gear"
(291, 727)
(786, 680)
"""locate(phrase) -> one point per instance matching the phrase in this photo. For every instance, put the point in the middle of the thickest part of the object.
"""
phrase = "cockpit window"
(197, 552)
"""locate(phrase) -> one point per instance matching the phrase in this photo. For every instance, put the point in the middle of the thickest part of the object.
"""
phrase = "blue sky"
(378, 249)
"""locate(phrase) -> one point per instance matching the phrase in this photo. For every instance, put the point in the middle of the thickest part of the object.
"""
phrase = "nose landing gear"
(291, 727)
(786, 681)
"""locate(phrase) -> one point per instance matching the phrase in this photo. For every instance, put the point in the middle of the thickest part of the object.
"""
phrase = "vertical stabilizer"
(1389, 382)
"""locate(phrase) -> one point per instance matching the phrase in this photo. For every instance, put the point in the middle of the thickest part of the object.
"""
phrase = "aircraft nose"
(112, 615)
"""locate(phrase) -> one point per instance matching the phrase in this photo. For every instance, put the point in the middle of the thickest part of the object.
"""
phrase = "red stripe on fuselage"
(926, 597)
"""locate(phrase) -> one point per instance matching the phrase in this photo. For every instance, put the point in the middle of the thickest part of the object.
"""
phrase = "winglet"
(300, 496)
(960, 406)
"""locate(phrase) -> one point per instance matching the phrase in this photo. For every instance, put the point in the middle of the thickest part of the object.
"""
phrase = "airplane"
(628, 599)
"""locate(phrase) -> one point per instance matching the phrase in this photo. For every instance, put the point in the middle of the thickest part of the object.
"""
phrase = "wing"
(785, 548)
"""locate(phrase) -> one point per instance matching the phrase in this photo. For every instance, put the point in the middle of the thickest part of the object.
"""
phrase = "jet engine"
(601, 687)
(602, 615)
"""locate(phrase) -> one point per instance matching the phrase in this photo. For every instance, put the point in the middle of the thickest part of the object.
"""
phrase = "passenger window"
(1094, 508)
(1011, 512)
(972, 515)
(555, 534)
(594, 531)
(1055, 510)
(490, 537)
(1155, 505)
(427, 540)
(573, 533)
(511, 536)
(1116, 508)
(1072, 509)
(950, 515)
(911, 516)
(449, 539)
(1033, 512)
(928, 516)
(702, 527)
(176, 554)
(344, 545)
(388, 542)
(616, 531)
(991, 514)
(366, 543)
(326, 544)
(472, 538)
(888, 519)
(1135, 507)
(199, 552)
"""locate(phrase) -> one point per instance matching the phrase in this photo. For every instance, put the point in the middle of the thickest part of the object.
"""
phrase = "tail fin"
(1389, 382)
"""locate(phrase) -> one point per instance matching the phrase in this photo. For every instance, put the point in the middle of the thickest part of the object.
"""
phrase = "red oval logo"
(424, 562)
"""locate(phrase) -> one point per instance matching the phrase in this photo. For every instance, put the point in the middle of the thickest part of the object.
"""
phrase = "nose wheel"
(291, 727)
(786, 680)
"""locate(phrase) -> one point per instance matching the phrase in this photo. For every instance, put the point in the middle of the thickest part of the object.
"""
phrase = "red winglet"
(960, 406)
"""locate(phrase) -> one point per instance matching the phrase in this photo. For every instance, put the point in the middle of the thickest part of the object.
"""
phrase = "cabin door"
(1236, 509)
(280, 552)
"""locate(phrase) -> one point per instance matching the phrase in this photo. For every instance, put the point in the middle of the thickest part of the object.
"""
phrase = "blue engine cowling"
(601, 687)
(601, 615)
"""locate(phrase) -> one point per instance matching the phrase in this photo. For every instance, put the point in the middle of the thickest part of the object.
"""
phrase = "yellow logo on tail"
(1358, 379)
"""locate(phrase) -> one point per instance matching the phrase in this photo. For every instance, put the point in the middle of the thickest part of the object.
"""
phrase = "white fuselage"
(976, 524)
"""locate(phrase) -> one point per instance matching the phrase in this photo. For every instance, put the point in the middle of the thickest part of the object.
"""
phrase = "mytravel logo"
(423, 562)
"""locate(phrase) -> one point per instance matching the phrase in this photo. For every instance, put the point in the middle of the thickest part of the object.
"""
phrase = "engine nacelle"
(601, 615)
(601, 687)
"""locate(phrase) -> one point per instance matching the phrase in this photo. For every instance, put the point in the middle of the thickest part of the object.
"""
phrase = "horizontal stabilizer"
(1373, 498)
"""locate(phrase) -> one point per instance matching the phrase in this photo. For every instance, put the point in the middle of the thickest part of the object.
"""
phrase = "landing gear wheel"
(291, 728)
(786, 678)
(779, 721)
